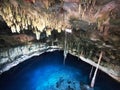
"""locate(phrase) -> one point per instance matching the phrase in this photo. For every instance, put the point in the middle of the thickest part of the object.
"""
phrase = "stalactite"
(65, 51)
(81, 54)
(93, 3)
(90, 75)
(90, 2)
(17, 28)
(80, 8)
(8, 52)
(83, 14)
(95, 73)
(37, 33)
(13, 29)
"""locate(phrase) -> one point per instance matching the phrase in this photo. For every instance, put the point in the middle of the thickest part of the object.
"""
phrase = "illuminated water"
(46, 72)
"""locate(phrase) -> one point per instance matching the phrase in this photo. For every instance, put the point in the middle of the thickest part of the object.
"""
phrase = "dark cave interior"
(83, 28)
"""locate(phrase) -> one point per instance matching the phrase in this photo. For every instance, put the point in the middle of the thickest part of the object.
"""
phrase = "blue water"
(46, 72)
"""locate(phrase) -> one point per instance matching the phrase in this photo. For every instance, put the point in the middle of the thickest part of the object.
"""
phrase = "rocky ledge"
(13, 56)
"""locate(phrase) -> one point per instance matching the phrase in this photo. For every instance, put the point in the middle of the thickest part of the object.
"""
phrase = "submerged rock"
(86, 87)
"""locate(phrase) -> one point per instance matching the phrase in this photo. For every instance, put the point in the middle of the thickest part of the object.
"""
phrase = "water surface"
(47, 72)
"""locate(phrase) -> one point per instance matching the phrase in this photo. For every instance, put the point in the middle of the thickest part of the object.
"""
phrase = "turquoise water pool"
(47, 72)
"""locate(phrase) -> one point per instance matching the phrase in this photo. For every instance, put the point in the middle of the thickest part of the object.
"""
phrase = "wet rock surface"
(63, 84)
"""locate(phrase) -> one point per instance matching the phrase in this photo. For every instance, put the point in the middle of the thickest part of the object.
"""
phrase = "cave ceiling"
(98, 21)
(18, 14)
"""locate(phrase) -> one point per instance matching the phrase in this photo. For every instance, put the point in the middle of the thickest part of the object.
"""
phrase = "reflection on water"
(47, 72)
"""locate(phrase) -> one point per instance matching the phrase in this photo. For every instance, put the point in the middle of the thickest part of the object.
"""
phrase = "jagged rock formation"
(95, 26)
(13, 56)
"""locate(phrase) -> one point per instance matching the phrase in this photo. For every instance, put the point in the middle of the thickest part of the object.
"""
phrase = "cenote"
(47, 72)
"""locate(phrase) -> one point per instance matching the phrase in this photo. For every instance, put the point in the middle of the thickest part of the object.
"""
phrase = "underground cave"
(59, 45)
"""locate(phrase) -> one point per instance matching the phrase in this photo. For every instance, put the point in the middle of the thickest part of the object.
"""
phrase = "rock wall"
(13, 56)
(36, 15)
